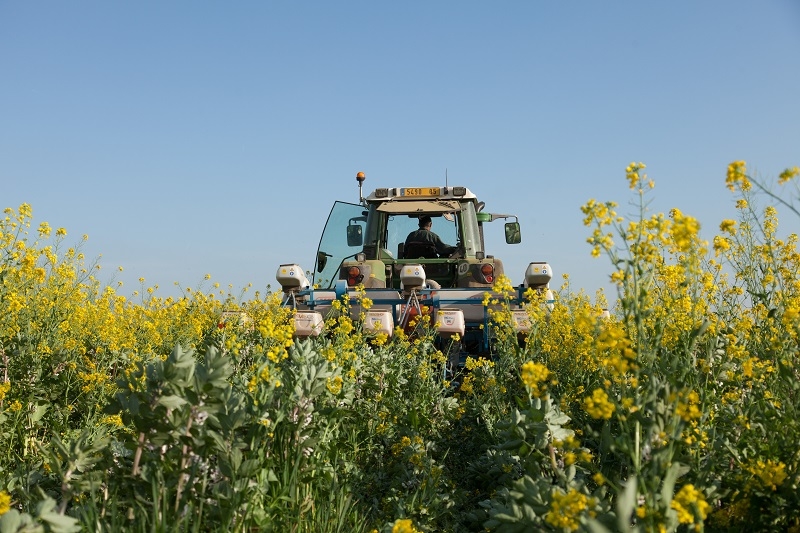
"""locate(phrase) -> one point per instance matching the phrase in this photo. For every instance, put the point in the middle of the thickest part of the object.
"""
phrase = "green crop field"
(679, 412)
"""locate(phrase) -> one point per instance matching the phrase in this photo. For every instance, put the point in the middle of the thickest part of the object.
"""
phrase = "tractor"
(364, 250)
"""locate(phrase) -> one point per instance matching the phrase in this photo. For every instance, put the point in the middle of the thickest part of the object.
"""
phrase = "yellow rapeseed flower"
(334, 385)
(535, 376)
(404, 525)
(788, 174)
(728, 226)
(771, 474)
(690, 504)
(598, 406)
(684, 229)
(5, 502)
(44, 229)
(113, 421)
(566, 509)
(737, 176)
(632, 172)
(721, 245)
(687, 407)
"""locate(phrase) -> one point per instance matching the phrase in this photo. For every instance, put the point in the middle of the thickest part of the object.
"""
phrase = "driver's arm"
(442, 249)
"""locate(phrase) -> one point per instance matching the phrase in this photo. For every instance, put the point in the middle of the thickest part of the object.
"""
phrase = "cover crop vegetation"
(203, 413)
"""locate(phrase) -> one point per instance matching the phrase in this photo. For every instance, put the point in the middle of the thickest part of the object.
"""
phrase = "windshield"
(399, 226)
(350, 230)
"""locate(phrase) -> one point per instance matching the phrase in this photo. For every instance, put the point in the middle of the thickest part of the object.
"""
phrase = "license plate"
(421, 191)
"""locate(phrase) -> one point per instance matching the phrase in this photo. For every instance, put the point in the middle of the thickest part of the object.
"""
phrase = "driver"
(424, 235)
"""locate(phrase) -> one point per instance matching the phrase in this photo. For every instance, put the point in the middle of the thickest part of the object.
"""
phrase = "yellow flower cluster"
(472, 364)
(93, 379)
(737, 176)
(598, 406)
(334, 385)
(412, 448)
(404, 443)
(572, 451)
(788, 174)
(690, 504)
(566, 509)
(635, 177)
(728, 226)
(600, 214)
(614, 349)
(721, 244)
(535, 376)
(770, 474)
(503, 287)
(404, 525)
(114, 421)
(688, 407)
(684, 230)
(5, 502)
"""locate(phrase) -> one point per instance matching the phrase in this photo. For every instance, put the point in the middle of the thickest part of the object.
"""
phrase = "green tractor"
(374, 246)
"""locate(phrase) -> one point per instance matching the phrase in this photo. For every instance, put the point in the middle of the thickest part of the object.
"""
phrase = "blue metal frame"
(426, 297)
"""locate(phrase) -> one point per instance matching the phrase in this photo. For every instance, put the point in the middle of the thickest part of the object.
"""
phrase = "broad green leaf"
(171, 401)
(10, 522)
(38, 413)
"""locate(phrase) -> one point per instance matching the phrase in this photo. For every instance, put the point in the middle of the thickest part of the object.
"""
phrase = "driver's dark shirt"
(427, 236)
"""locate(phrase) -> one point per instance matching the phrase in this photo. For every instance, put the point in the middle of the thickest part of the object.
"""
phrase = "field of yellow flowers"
(678, 412)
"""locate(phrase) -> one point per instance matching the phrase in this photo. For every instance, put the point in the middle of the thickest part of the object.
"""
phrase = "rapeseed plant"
(675, 412)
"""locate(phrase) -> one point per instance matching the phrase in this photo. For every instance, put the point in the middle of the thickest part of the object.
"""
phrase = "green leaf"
(570, 472)
(236, 458)
(597, 527)
(561, 433)
(10, 522)
(626, 504)
(249, 468)
(171, 401)
(38, 413)
(59, 523)
(668, 487)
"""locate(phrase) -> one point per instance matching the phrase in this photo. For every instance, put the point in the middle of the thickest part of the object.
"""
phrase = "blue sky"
(188, 138)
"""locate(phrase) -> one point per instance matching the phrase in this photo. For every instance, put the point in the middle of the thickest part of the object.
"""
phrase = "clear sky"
(191, 137)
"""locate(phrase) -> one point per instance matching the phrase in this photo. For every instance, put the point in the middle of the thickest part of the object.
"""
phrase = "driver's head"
(425, 222)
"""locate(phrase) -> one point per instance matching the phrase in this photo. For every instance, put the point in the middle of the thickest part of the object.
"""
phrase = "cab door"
(342, 239)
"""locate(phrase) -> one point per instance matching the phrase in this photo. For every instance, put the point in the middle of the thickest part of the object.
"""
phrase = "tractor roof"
(425, 194)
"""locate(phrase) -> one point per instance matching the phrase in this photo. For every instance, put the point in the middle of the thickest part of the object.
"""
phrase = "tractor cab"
(367, 243)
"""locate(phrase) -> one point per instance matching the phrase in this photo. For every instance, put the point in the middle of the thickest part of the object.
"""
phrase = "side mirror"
(513, 235)
(354, 235)
(322, 260)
